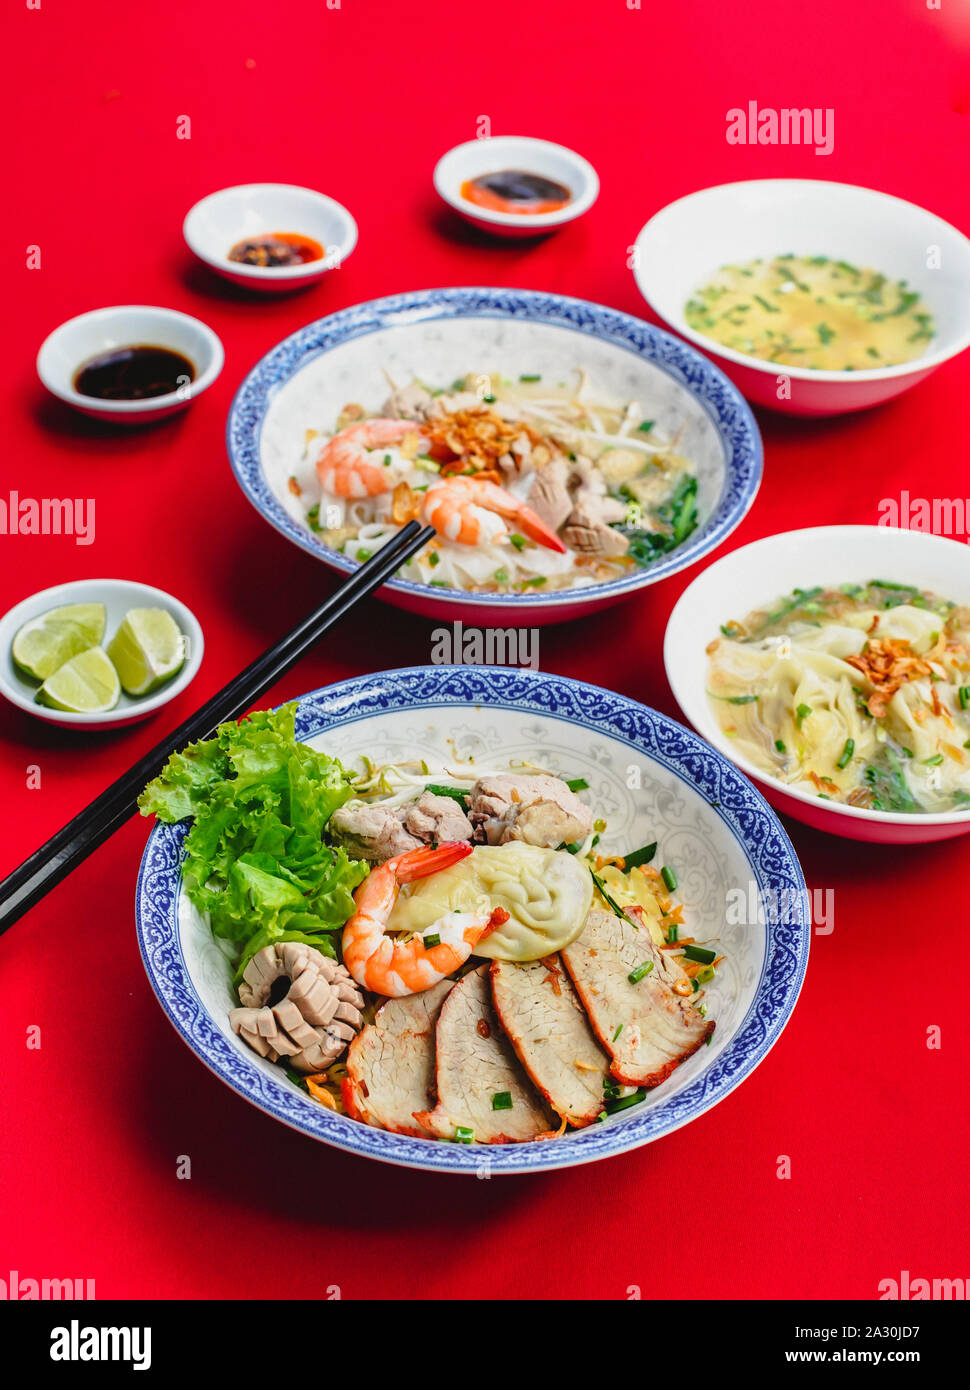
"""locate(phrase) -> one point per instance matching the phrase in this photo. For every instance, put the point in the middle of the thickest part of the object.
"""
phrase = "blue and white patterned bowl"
(437, 335)
(648, 776)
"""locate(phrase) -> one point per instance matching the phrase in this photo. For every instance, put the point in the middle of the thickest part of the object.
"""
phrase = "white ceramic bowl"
(117, 595)
(709, 821)
(128, 325)
(556, 162)
(757, 573)
(214, 225)
(688, 240)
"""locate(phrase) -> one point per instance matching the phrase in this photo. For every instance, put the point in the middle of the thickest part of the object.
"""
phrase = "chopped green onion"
(635, 976)
(530, 377)
(669, 877)
(847, 753)
(780, 746)
(434, 559)
(802, 713)
(625, 1102)
(463, 1135)
(501, 576)
(699, 953)
(619, 1030)
(433, 939)
(536, 583)
(364, 554)
(704, 976)
(518, 541)
(601, 886)
(456, 793)
(673, 933)
(502, 1100)
(964, 696)
(646, 426)
(640, 856)
(935, 761)
(387, 460)
(578, 784)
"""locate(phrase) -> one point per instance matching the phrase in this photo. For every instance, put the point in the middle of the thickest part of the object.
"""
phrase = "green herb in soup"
(812, 311)
(859, 694)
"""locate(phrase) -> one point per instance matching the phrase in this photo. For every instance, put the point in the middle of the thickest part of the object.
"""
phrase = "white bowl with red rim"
(752, 576)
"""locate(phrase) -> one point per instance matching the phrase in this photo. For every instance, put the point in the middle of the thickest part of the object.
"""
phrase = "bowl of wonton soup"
(756, 575)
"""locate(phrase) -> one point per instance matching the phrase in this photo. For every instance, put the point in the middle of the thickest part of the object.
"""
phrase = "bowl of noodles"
(832, 665)
(566, 454)
(669, 832)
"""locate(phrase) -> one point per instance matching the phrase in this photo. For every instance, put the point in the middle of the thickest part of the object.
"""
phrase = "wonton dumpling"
(545, 891)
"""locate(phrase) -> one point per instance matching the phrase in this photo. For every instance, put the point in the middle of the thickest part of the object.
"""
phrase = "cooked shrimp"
(346, 470)
(470, 511)
(395, 967)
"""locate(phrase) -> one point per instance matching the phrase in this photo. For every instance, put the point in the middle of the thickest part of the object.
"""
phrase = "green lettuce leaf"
(256, 857)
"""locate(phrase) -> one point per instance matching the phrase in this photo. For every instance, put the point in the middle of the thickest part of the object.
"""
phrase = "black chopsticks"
(92, 826)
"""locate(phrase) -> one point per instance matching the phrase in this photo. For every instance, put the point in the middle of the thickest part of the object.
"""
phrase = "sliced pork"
(390, 1065)
(540, 810)
(646, 1026)
(481, 1087)
(546, 1024)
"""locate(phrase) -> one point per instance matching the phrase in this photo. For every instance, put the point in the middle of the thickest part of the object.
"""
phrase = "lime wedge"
(147, 650)
(45, 643)
(87, 684)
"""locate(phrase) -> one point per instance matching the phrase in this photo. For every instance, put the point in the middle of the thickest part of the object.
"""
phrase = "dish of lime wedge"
(46, 643)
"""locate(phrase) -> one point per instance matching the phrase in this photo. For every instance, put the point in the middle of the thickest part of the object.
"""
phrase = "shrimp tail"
(537, 530)
(419, 863)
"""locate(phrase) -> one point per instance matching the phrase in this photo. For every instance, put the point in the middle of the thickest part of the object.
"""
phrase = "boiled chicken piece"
(549, 496)
(299, 1004)
(408, 403)
(390, 1065)
(378, 832)
(482, 1090)
(646, 1026)
(546, 1024)
(540, 810)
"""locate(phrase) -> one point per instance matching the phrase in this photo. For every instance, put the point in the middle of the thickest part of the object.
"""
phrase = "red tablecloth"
(360, 101)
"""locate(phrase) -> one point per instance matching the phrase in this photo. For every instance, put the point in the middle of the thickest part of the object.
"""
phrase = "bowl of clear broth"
(130, 364)
(814, 297)
(515, 186)
(270, 237)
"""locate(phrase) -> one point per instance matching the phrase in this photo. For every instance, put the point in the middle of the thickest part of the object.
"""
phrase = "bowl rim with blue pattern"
(654, 736)
(724, 405)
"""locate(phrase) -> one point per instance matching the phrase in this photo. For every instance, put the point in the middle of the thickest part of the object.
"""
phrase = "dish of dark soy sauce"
(133, 373)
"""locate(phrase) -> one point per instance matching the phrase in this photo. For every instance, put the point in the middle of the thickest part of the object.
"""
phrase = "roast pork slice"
(476, 1071)
(546, 1024)
(645, 1025)
(390, 1065)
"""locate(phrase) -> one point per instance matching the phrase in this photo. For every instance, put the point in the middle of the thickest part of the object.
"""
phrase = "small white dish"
(754, 575)
(687, 241)
(117, 595)
(214, 226)
(128, 325)
(476, 157)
